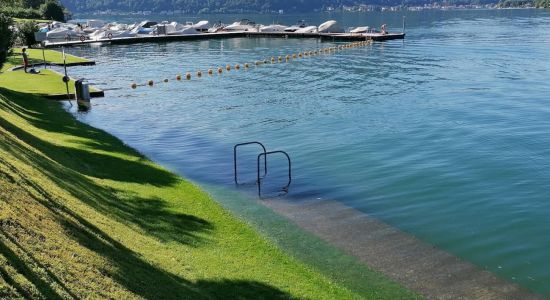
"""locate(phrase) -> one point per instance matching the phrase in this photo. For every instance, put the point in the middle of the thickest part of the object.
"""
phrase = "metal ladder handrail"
(235, 158)
(265, 154)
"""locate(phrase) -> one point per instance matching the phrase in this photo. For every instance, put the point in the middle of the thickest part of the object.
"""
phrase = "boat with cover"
(301, 24)
(361, 29)
(273, 28)
(330, 27)
(307, 29)
(242, 25)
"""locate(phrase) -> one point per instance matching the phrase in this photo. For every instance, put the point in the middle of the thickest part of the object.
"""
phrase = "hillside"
(218, 6)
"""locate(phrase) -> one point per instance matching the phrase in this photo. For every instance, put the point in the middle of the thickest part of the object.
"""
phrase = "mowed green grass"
(45, 83)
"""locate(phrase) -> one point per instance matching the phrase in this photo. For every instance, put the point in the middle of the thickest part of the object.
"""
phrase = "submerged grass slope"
(82, 215)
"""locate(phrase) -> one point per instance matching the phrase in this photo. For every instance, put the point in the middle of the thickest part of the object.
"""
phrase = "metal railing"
(284, 188)
(264, 154)
(235, 157)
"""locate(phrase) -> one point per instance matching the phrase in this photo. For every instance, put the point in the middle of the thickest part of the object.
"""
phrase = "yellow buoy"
(280, 59)
(300, 54)
(199, 73)
(228, 68)
(210, 71)
(150, 83)
(134, 85)
(220, 70)
(272, 59)
(237, 67)
(188, 76)
(258, 63)
(294, 55)
(246, 65)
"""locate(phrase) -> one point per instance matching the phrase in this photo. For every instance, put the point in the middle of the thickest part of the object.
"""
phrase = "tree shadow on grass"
(150, 214)
(130, 271)
(137, 169)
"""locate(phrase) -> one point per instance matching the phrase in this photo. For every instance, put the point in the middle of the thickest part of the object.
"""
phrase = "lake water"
(445, 135)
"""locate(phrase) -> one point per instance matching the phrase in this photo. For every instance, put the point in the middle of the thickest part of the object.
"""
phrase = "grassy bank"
(83, 215)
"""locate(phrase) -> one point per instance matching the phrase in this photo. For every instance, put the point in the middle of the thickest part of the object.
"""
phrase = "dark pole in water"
(66, 77)
(43, 54)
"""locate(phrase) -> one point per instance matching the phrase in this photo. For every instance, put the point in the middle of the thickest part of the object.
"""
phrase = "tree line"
(33, 9)
(232, 6)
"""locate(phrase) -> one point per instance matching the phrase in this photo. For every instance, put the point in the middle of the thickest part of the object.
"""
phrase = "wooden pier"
(219, 35)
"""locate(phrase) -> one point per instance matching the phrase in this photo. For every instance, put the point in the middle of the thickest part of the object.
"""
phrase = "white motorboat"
(273, 28)
(216, 28)
(95, 24)
(201, 26)
(330, 27)
(64, 33)
(174, 28)
(110, 34)
(301, 24)
(308, 29)
(243, 25)
(361, 29)
(145, 27)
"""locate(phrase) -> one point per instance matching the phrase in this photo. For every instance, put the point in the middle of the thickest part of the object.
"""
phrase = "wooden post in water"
(66, 78)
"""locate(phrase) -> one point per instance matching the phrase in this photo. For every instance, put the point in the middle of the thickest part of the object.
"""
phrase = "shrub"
(6, 38)
(26, 32)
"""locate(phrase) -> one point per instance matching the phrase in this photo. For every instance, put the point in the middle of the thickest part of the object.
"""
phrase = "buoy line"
(271, 60)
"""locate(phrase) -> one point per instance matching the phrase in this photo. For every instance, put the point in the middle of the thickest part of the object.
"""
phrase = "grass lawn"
(45, 83)
(83, 215)
(21, 20)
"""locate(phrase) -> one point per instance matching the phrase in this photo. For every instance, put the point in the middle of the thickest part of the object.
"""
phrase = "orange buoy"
(228, 68)
(210, 71)
(237, 67)
(178, 77)
(220, 70)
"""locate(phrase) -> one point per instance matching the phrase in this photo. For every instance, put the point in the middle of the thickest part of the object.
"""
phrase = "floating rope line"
(272, 60)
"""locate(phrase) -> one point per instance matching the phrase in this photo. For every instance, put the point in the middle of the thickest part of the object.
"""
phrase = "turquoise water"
(445, 135)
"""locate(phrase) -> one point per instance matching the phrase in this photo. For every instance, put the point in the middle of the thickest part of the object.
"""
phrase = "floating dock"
(219, 35)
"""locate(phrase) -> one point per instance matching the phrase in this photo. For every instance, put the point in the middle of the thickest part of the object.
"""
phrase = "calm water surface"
(445, 135)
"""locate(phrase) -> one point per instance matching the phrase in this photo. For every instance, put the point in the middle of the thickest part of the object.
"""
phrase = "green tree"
(52, 10)
(6, 38)
(26, 32)
(32, 3)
